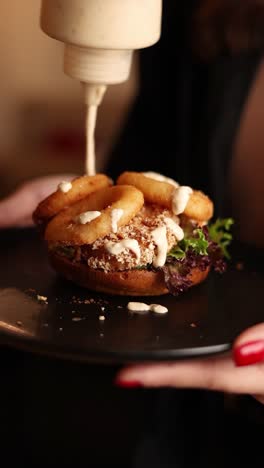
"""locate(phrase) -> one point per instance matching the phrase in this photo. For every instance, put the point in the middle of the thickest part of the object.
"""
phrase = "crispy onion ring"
(57, 201)
(199, 206)
(63, 228)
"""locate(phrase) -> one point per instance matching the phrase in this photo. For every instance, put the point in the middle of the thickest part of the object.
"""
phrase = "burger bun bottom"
(122, 283)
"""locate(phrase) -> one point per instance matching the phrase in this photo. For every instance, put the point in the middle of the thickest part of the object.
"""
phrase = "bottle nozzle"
(101, 66)
(93, 94)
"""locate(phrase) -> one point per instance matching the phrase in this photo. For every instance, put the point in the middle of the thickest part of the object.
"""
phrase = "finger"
(253, 333)
(249, 346)
(218, 374)
(44, 186)
(16, 209)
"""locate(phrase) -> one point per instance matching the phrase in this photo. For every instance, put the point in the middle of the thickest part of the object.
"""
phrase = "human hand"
(241, 373)
(16, 209)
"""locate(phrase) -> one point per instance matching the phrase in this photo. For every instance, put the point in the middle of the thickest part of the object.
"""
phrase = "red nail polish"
(128, 383)
(249, 353)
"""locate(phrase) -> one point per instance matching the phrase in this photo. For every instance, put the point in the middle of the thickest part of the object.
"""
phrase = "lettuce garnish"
(201, 239)
(198, 243)
(219, 232)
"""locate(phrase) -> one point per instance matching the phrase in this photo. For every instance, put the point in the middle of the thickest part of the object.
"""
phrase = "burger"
(144, 236)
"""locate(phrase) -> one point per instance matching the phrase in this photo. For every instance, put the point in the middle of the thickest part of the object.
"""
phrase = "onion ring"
(64, 229)
(57, 201)
(199, 206)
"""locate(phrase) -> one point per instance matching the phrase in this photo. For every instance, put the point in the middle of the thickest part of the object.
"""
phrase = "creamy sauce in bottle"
(100, 37)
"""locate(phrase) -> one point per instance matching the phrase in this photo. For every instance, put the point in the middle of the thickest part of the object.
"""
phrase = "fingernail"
(128, 383)
(249, 353)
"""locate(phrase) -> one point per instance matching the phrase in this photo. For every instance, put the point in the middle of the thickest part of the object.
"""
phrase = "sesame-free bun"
(123, 283)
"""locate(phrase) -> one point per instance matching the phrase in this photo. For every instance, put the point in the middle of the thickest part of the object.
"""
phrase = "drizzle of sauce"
(138, 307)
(64, 186)
(160, 178)
(116, 215)
(87, 217)
(158, 309)
(91, 117)
(175, 228)
(93, 97)
(142, 307)
(180, 198)
(116, 248)
(159, 236)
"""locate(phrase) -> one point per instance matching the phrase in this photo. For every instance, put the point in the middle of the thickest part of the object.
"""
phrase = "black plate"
(204, 321)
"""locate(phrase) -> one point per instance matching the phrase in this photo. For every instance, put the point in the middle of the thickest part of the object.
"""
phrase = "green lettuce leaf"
(219, 232)
(148, 266)
(197, 242)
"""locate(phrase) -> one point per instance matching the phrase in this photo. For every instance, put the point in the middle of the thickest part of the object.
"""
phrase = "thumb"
(17, 208)
(249, 349)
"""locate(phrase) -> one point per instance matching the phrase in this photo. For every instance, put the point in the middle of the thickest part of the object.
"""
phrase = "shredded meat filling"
(140, 229)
